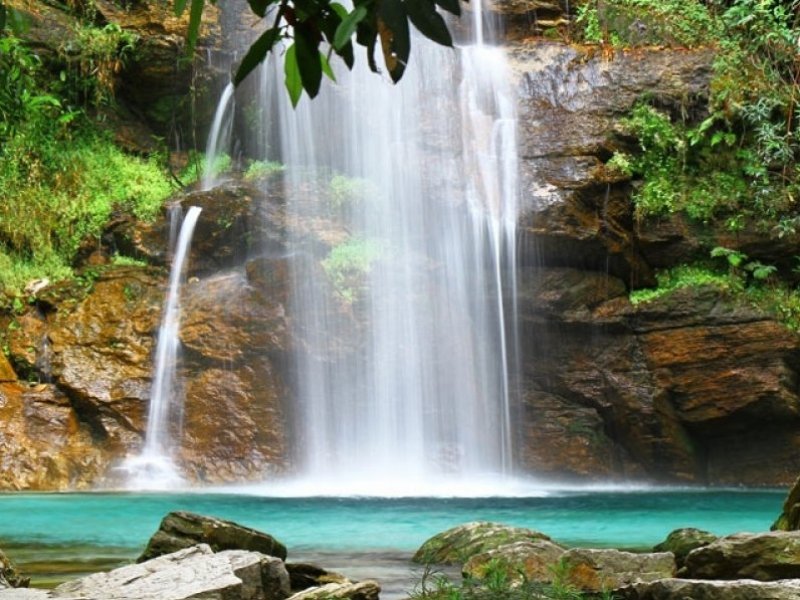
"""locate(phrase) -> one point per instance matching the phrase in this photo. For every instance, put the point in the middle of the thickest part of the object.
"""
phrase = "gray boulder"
(694, 589)
(181, 529)
(364, 590)
(458, 544)
(600, 570)
(191, 573)
(682, 541)
(764, 557)
(530, 561)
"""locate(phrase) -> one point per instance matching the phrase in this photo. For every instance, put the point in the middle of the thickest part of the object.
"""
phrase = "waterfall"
(154, 468)
(402, 208)
(219, 138)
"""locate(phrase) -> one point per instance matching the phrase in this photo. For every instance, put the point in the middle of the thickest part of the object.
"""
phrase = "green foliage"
(500, 581)
(60, 175)
(259, 169)
(127, 261)
(647, 22)
(348, 264)
(620, 163)
(349, 191)
(683, 276)
(93, 58)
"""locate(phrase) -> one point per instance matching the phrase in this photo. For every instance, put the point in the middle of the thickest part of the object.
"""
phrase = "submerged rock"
(458, 544)
(196, 572)
(364, 590)
(763, 556)
(528, 561)
(599, 570)
(184, 529)
(682, 541)
(303, 576)
(683, 589)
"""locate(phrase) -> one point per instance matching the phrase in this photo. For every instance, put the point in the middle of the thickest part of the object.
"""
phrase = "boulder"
(789, 519)
(458, 544)
(520, 561)
(303, 576)
(682, 541)
(695, 589)
(184, 529)
(602, 570)
(194, 572)
(763, 556)
(364, 590)
(23, 594)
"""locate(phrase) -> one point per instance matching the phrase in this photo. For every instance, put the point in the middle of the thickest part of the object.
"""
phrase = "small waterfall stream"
(154, 467)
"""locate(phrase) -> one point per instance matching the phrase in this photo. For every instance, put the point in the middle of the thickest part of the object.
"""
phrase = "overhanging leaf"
(326, 67)
(348, 25)
(308, 60)
(180, 6)
(257, 52)
(394, 34)
(195, 18)
(429, 22)
(259, 7)
(2, 16)
(451, 6)
(294, 85)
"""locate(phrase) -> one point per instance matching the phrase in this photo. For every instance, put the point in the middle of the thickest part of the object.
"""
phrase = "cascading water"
(402, 284)
(219, 138)
(154, 467)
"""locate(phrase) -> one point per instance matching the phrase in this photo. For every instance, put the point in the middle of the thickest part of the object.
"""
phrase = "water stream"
(154, 468)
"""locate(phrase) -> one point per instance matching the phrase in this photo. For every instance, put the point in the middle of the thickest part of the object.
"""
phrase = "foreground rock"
(364, 590)
(521, 561)
(179, 530)
(458, 544)
(9, 577)
(195, 572)
(303, 576)
(682, 541)
(600, 570)
(764, 557)
(683, 589)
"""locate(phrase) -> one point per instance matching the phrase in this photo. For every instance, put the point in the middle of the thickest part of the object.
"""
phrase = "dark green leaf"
(257, 52)
(180, 6)
(394, 34)
(429, 22)
(2, 16)
(339, 9)
(308, 60)
(195, 18)
(348, 25)
(451, 6)
(326, 67)
(294, 85)
(347, 55)
(257, 6)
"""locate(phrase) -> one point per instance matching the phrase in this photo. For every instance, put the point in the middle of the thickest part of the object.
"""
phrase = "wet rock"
(9, 576)
(458, 544)
(24, 594)
(182, 529)
(764, 557)
(195, 572)
(364, 590)
(7, 373)
(682, 541)
(789, 519)
(303, 576)
(528, 561)
(43, 443)
(681, 589)
(599, 570)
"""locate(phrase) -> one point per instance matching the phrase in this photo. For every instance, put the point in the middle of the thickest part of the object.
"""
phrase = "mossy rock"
(459, 544)
(682, 541)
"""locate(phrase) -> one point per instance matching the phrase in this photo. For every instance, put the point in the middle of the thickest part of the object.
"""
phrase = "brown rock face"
(43, 443)
(691, 386)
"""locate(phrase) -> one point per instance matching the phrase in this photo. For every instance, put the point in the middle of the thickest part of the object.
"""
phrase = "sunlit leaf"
(326, 67)
(294, 85)
(348, 26)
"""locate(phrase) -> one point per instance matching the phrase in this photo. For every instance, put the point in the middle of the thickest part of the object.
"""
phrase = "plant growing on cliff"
(348, 264)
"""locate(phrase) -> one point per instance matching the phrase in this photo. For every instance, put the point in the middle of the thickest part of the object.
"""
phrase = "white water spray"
(219, 138)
